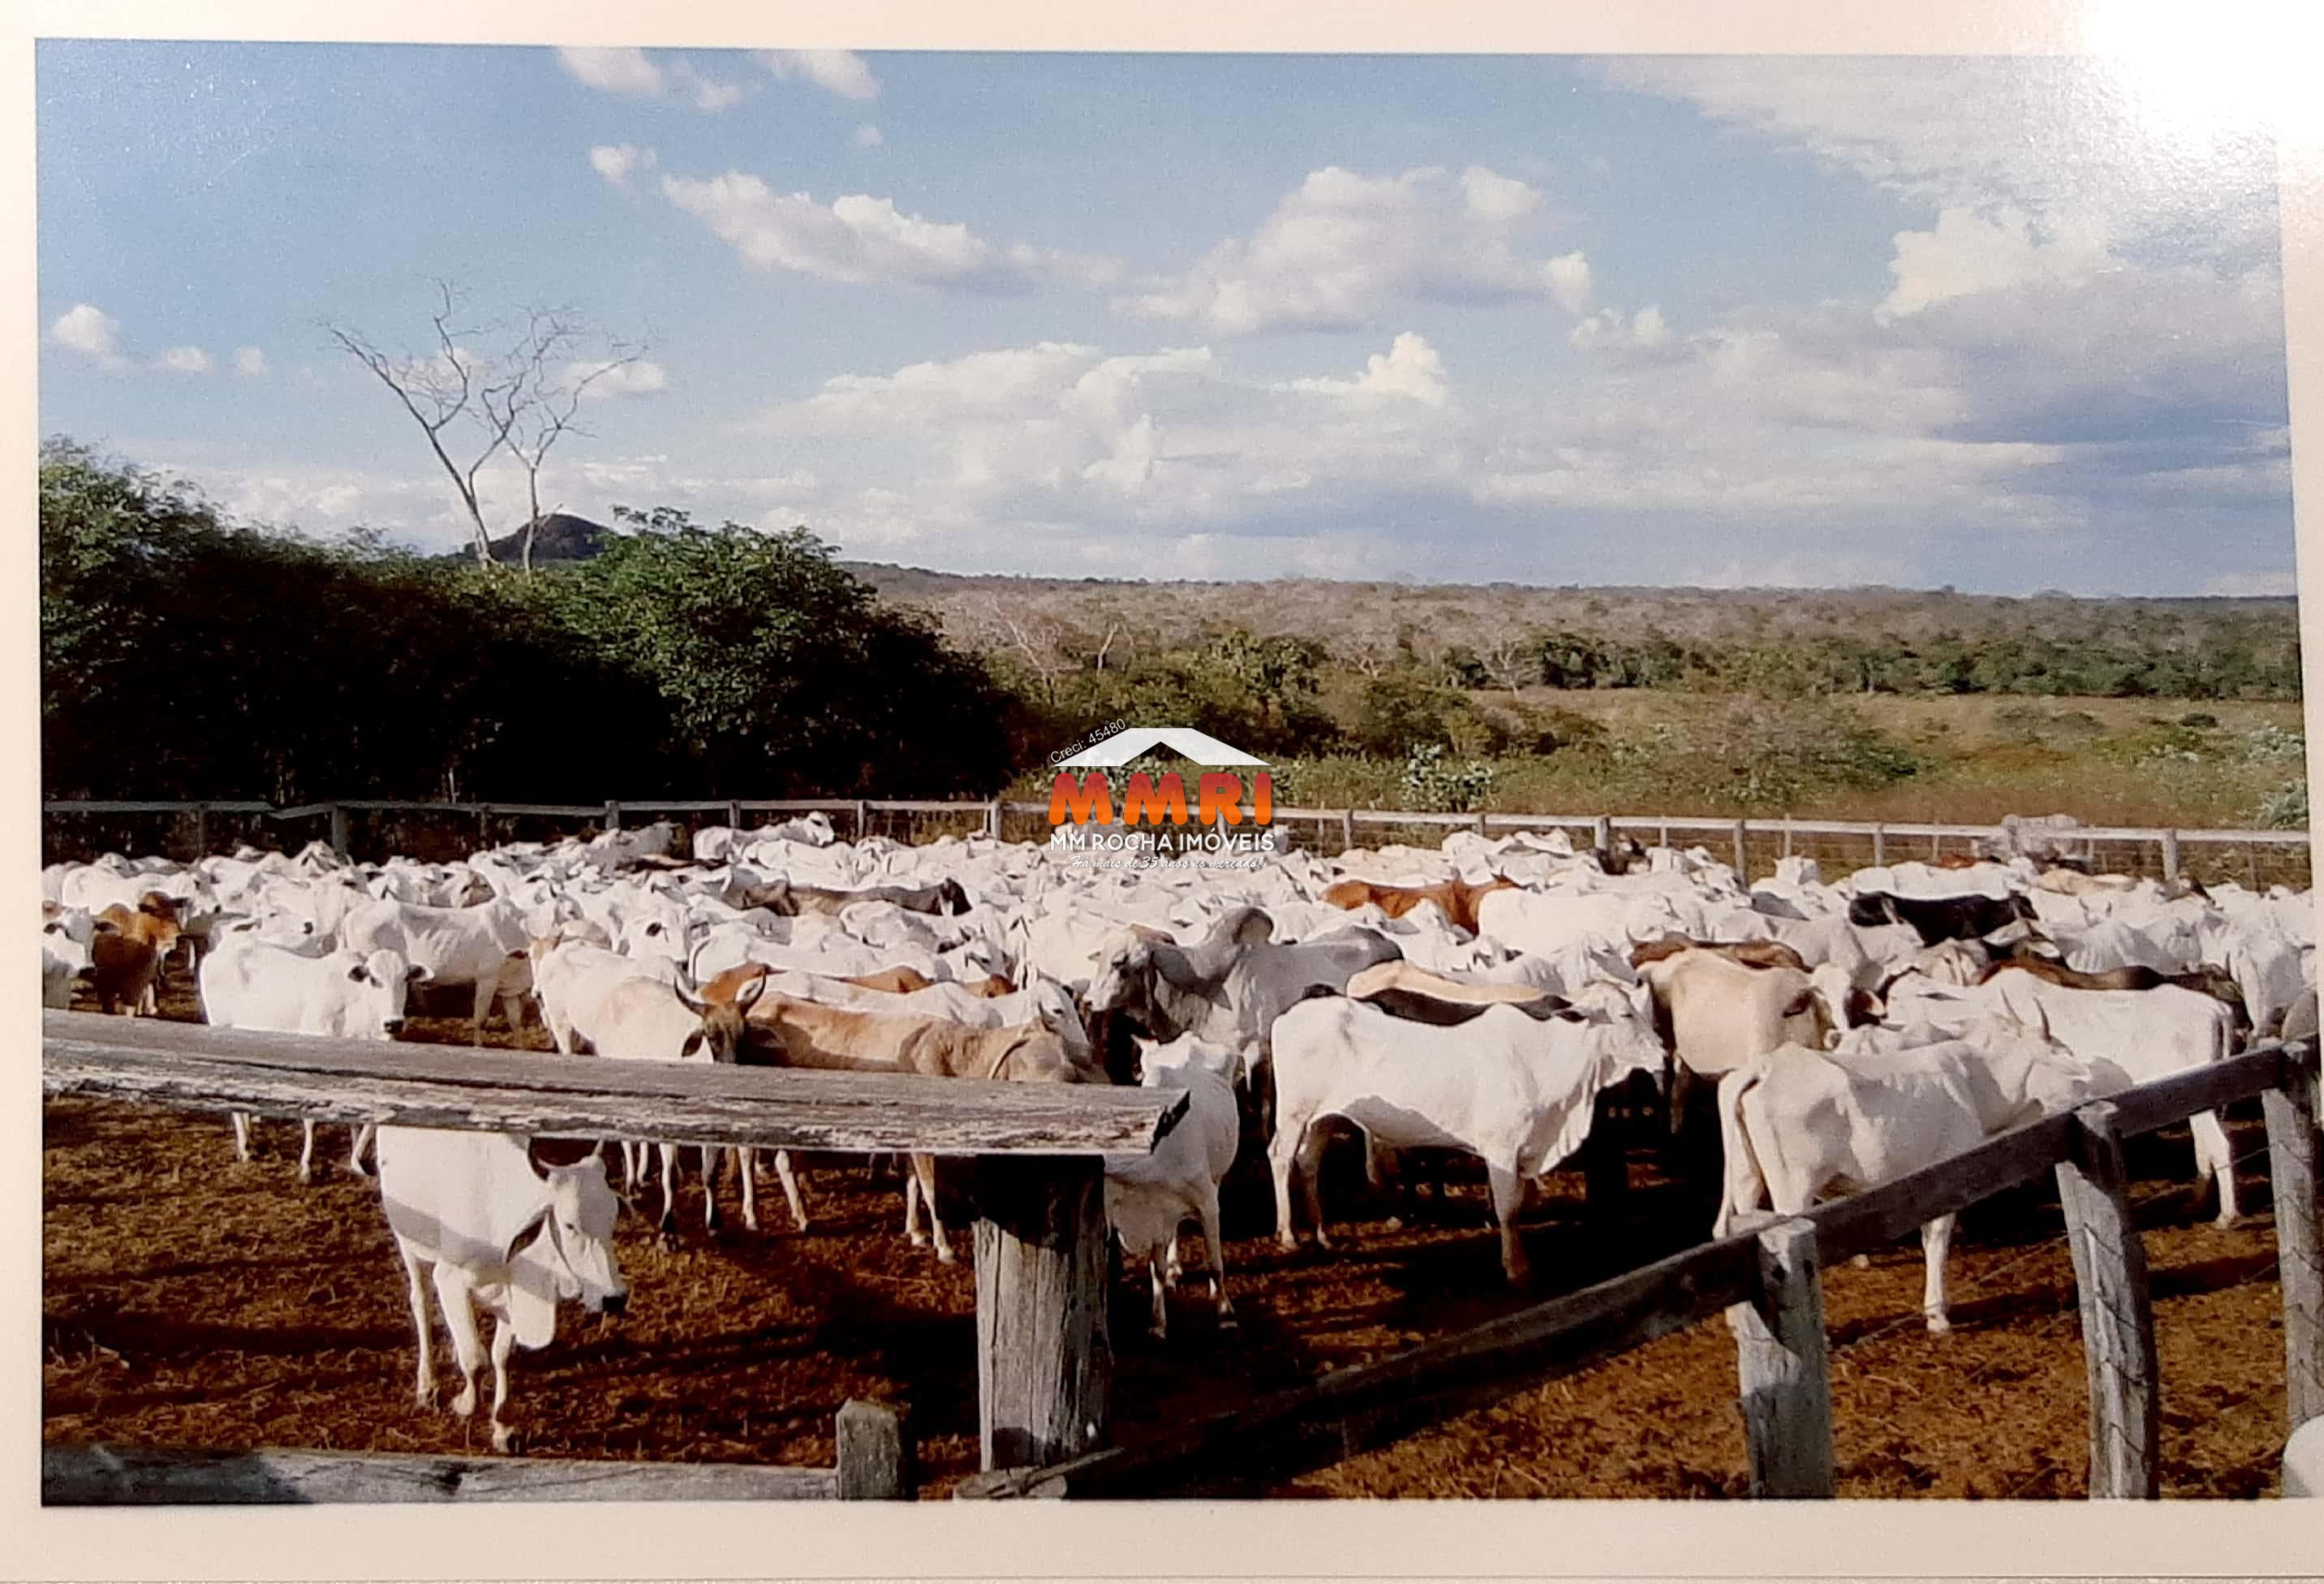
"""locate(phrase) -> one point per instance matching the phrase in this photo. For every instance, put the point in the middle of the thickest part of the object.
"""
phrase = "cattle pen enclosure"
(1035, 1262)
(438, 831)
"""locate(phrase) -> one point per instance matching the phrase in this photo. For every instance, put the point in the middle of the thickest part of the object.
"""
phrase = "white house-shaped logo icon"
(1126, 745)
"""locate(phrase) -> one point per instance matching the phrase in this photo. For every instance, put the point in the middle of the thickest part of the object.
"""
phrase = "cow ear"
(693, 1044)
(357, 975)
(414, 974)
(1805, 1001)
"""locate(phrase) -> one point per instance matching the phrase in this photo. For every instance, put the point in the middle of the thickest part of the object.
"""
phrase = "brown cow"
(848, 1039)
(1457, 898)
(901, 979)
(126, 956)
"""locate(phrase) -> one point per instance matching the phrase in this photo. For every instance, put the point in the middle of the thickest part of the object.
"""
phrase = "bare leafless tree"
(473, 405)
(1509, 661)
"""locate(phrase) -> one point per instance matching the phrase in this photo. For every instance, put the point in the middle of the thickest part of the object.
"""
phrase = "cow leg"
(460, 1320)
(1508, 1199)
(791, 1189)
(667, 1227)
(1159, 1324)
(503, 1342)
(241, 1120)
(713, 1156)
(912, 1233)
(2214, 1158)
(1208, 1209)
(1314, 1185)
(513, 1008)
(305, 1152)
(364, 1136)
(483, 1005)
(1936, 1241)
(1281, 1156)
(746, 1168)
(1172, 1267)
(924, 1170)
(423, 1386)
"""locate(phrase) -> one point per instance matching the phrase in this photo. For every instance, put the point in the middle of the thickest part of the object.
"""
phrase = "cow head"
(578, 1225)
(378, 984)
(951, 899)
(726, 1033)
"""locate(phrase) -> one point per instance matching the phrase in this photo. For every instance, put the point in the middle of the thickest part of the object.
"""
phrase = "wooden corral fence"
(1044, 1364)
(853, 817)
(1766, 1282)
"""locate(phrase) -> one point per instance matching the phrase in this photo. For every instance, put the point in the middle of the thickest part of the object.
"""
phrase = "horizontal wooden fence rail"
(1765, 1279)
(875, 1463)
(191, 1066)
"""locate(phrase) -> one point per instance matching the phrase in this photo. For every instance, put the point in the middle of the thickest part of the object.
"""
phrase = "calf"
(503, 1230)
(1148, 1197)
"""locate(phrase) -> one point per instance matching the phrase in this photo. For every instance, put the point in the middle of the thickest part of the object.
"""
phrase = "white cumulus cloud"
(836, 72)
(630, 74)
(1411, 369)
(1346, 246)
(858, 238)
(183, 360)
(90, 331)
(1568, 275)
(249, 362)
(614, 161)
(867, 136)
(1967, 253)
(626, 72)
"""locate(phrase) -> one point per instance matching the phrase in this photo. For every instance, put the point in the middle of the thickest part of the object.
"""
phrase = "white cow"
(64, 963)
(1517, 1091)
(1799, 1124)
(501, 1232)
(1148, 1197)
(482, 947)
(246, 983)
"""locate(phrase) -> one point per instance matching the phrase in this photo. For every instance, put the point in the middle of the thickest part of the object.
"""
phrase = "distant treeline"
(2255, 659)
(183, 656)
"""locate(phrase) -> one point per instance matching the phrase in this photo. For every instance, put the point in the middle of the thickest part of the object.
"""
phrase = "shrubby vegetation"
(185, 657)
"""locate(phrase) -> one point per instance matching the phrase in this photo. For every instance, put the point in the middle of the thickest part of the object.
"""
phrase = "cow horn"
(699, 1009)
(750, 998)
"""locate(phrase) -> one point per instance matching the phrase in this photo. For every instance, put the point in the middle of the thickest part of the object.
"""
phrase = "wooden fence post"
(484, 825)
(1936, 845)
(201, 831)
(2117, 1319)
(1742, 857)
(2170, 859)
(1880, 845)
(1787, 835)
(875, 1453)
(863, 819)
(1666, 834)
(1347, 829)
(733, 814)
(1043, 1361)
(613, 815)
(339, 831)
(1783, 1369)
(992, 819)
(1601, 832)
(2292, 1168)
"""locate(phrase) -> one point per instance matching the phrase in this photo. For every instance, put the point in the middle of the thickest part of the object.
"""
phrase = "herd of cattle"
(1496, 997)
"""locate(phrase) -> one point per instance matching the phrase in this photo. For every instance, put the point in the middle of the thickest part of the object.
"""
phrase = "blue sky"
(1713, 321)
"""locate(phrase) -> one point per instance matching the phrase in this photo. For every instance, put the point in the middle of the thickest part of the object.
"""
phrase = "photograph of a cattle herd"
(846, 774)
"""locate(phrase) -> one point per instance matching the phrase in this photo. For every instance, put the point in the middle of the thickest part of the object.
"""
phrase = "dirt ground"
(189, 1301)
